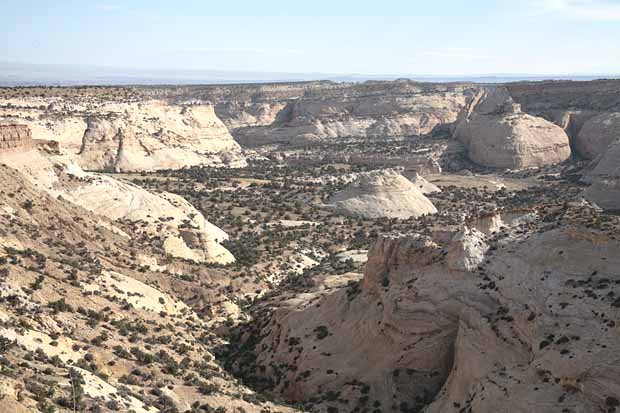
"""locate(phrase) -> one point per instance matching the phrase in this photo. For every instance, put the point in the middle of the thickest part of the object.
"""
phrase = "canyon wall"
(587, 111)
(299, 113)
(127, 135)
(498, 134)
(159, 127)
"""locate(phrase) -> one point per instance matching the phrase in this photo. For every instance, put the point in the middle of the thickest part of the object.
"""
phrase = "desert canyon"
(330, 247)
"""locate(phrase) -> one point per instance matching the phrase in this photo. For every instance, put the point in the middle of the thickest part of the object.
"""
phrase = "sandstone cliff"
(498, 134)
(306, 112)
(597, 133)
(571, 105)
(15, 137)
(138, 135)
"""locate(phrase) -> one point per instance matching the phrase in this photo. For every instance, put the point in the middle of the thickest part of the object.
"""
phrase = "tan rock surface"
(526, 332)
(384, 193)
(597, 134)
(498, 134)
(605, 179)
(129, 135)
(372, 110)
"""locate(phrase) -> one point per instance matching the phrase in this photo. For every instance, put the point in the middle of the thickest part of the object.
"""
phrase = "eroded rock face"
(167, 217)
(384, 193)
(597, 134)
(498, 134)
(423, 185)
(15, 137)
(605, 179)
(140, 135)
(467, 250)
(372, 110)
(522, 332)
(154, 135)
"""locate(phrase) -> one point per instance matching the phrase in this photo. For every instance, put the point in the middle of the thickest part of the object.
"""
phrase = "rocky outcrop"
(530, 328)
(166, 219)
(142, 135)
(184, 231)
(15, 137)
(467, 250)
(423, 185)
(604, 178)
(498, 134)
(571, 105)
(372, 110)
(384, 194)
(597, 133)
(153, 135)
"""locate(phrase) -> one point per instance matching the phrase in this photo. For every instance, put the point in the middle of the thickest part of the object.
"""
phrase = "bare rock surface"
(423, 185)
(498, 134)
(531, 328)
(324, 112)
(467, 250)
(597, 134)
(132, 135)
(384, 193)
(604, 190)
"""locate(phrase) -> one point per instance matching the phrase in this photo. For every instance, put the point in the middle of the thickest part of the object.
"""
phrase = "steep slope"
(328, 111)
(605, 178)
(572, 105)
(86, 325)
(597, 134)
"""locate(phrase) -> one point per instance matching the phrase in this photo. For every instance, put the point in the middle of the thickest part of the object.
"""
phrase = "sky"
(447, 37)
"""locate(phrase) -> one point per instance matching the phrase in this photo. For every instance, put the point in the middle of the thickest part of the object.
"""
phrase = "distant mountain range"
(24, 74)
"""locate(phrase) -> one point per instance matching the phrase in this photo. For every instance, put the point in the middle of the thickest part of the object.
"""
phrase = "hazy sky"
(328, 36)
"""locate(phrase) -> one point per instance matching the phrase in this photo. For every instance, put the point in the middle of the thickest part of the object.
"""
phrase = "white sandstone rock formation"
(131, 135)
(184, 230)
(154, 135)
(467, 250)
(533, 328)
(423, 185)
(381, 194)
(498, 134)
(373, 110)
(597, 134)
